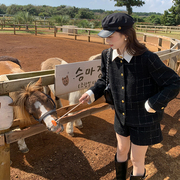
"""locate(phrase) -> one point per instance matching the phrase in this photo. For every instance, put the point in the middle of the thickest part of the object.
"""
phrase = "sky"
(158, 6)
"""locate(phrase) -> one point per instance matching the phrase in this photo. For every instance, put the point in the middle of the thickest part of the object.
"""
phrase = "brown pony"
(30, 103)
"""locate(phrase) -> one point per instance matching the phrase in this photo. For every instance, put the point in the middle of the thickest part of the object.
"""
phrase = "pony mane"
(19, 98)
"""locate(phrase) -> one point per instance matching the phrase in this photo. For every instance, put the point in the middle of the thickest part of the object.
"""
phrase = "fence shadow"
(53, 156)
(162, 161)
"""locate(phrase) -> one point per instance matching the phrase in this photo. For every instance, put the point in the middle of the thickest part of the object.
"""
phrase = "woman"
(141, 88)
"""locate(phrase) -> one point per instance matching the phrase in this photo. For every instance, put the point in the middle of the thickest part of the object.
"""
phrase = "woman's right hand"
(84, 98)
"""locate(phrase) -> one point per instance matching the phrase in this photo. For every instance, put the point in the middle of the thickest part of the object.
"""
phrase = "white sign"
(76, 76)
(6, 112)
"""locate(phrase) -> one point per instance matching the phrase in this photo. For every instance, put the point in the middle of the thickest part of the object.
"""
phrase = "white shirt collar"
(126, 56)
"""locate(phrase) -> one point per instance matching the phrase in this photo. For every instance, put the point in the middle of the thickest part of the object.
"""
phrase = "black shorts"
(142, 136)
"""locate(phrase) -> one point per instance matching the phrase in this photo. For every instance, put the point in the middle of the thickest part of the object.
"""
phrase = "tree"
(172, 16)
(137, 18)
(175, 11)
(3, 9)
(60, 20)
(129, 4)
(31, 9)
(45, 11)
(13, 9)
(85, 14)
(23, 18)
(72, 11)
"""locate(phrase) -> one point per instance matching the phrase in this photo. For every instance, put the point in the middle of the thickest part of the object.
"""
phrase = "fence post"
(171, 44)
(89, 35)
(159, 43)
(14, 30)
(35, 30)
(144, 38)
(173, 63)
(103, 40)
(27, 27)
(4, 160)
(55, 31)
(166, 29)
(75, 34)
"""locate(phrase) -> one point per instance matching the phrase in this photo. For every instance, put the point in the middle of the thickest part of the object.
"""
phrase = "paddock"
(90, 153)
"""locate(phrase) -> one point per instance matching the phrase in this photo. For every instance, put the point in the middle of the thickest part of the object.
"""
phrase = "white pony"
(72, 97)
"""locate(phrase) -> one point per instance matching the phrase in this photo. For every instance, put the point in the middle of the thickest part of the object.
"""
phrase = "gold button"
(121, 61)
(162, 108)
(123, 114)
(122, 101)
(122, 74)
(122, 87)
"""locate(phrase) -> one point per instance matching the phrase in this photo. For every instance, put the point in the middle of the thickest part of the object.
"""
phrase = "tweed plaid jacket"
(144, 78)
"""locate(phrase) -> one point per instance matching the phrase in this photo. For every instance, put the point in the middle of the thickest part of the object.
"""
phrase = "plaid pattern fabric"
(141, 136)
(146, 77)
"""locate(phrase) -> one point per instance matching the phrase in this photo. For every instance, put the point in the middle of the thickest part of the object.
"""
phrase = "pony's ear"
(12, 104)
(39, 82)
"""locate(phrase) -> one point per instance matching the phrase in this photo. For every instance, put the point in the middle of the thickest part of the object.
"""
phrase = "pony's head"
(32, 102)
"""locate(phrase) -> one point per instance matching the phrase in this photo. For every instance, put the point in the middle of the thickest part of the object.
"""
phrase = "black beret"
(115, 22)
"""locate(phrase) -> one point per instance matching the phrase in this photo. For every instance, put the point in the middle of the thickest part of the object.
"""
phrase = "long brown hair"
(133, 47)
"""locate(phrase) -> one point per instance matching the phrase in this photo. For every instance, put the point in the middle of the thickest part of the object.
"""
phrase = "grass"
(174, 35)
(30, 31)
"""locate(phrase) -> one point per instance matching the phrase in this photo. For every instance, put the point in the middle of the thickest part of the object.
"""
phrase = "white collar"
(125, 56)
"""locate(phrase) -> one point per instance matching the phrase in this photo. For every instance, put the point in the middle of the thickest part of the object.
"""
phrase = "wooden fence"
(6, 22)
(166, 29)
(27, 28)
(16, 81)
(89, 33)
(55, 30)
(172, 55)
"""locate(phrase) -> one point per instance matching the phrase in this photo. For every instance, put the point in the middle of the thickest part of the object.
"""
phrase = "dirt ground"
(90, 153)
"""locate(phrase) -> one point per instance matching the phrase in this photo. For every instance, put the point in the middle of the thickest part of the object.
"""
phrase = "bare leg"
(138, 157)
(121, 158)
(123, 146)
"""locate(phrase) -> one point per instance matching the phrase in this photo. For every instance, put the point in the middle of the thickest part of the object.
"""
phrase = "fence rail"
(51, 29)
(89, 33)
(36, 22)
(73, 31)
(172, 55)
(16, 81)
(166, 29)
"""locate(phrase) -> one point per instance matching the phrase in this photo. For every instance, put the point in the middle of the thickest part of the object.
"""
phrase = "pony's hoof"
(79, 127)
(25, 150)
(71, 134)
